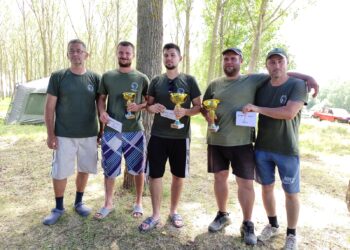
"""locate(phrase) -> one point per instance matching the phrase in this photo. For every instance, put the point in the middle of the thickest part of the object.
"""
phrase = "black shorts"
(241, 158)
(160, 149)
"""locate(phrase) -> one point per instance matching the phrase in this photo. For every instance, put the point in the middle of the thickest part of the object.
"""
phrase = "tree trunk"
(348, 197)
(149, 53)
(186, 60)
(258, 32)
(214, 39)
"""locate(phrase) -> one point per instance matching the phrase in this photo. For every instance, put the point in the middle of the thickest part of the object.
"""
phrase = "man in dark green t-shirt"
(72, 128)
(129, 140)
(167, 142)
(279, 104)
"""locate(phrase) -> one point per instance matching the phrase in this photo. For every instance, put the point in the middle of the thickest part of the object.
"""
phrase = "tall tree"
(149, 52)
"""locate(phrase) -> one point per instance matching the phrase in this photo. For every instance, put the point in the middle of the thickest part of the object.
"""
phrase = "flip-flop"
(150, 222)
(137, 211)
(103, 213)
(176, 220)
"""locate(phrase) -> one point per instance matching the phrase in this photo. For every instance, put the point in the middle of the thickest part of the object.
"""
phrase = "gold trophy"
(177, 99)
(211, 105)
(129, 97)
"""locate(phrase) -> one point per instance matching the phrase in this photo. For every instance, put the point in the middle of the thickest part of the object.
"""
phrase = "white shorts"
(72, 150)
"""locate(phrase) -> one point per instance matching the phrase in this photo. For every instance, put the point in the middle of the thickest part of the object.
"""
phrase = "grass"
(26, 196)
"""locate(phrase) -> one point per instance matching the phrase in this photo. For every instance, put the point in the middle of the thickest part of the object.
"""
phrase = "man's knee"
(221, 176)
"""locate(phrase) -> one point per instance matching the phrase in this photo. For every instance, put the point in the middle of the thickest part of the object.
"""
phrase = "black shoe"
(220, 221)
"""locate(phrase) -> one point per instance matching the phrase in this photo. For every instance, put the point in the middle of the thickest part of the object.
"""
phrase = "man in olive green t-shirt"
(279, 104)
(129, 141)
(72, 128)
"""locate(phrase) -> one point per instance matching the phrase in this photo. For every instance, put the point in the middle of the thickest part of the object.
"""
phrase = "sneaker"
(268, 232)
(247, 233)
(291, 243)
(219, 222)
(53, 217)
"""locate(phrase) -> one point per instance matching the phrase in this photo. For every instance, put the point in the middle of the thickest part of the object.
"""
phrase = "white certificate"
(114, 124)
(168, 114)
(246, 119)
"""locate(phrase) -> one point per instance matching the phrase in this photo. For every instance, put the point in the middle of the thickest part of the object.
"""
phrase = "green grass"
(26, 196)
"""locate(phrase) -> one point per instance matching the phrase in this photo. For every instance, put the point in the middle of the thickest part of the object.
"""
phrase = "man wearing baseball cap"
(279, 104)
(232, 144)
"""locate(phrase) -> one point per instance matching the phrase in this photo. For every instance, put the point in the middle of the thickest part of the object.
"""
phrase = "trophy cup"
(211, 105)
(129, 97)
(178, 99)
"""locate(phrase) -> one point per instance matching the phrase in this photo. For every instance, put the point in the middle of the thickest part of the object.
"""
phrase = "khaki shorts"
(72, 150)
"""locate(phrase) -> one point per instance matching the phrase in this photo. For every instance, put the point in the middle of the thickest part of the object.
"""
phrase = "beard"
(124, 65)
(170, 67)
(231, 72)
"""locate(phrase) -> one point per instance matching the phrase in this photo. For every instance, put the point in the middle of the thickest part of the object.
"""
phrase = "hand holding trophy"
(178, 99)
(130, 98)
(211, 105)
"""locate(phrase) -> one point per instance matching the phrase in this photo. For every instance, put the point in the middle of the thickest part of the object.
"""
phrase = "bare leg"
(109, 189)
(292, 207)
(221, 189)
(176, 190)
(156, 188)
(246, 197)
(139, 183)
(59, 186)
(81, 181)
(269, 200)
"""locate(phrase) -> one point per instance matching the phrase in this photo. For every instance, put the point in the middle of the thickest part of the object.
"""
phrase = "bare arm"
(287, 112)
(310, 82)
(99, 136)
(154, 107)
(101, 105)
(196, 107)
(50, 108)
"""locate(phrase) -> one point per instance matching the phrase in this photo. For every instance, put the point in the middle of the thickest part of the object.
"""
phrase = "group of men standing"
(70, 116)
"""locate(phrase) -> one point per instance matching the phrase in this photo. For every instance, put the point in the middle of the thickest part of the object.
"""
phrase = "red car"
(333, 115)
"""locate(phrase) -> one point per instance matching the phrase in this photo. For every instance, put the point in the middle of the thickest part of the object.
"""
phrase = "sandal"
(103, 213)
(150, 223)
(137, 211)
(176, 220)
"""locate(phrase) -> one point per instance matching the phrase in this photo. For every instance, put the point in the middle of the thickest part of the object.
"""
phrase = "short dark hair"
(126, 43)
(76, 41)
(172, 46)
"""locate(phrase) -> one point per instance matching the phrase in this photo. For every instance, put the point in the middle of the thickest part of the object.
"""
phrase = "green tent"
(27, 104)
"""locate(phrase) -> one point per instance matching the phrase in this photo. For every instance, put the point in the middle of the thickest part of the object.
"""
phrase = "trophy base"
(177, 126)
(129, 116)
(213, 128)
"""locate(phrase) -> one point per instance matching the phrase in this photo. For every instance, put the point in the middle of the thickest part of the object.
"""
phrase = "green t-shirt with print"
(76, 103)
(278, 135)
(113, 84)
(233, 95)
(160, 88)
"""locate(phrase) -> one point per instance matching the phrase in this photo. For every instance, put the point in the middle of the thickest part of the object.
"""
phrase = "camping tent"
(27, 104)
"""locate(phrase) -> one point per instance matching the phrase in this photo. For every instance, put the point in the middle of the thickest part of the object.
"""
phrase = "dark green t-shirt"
(76, 103)
(113, 84)
(233, 95)
(277, 135)
(160, 88)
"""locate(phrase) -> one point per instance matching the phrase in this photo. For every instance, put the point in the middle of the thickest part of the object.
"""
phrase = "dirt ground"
(26, 197)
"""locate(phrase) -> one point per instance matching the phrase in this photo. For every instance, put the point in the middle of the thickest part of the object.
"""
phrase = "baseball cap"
(277, 51)
(235, 50)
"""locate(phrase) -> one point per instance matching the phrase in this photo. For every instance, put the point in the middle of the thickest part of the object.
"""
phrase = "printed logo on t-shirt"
(90, 87)
(134, 86)
(283, 99)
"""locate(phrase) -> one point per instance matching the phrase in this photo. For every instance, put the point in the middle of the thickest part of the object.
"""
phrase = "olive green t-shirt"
(76, 103)
(160, 88)
(113, 84)
(278, 135)
(233, 95)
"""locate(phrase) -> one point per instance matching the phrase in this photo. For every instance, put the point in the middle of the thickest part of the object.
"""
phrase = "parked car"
(333, 115)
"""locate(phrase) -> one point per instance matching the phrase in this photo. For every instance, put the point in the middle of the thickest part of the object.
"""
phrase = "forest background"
(35, 34)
